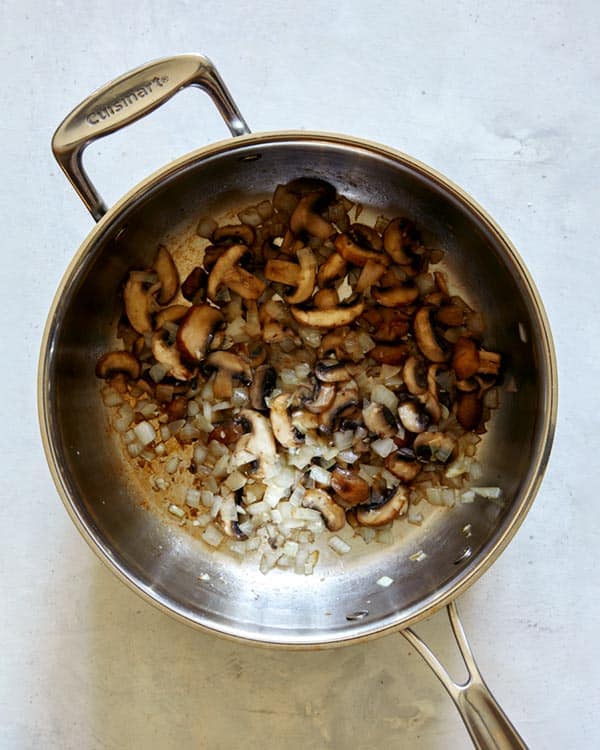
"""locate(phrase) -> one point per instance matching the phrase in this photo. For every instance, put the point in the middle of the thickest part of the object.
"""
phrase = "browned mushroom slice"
(334, 317)
(431, 406)
(389, 354)
(350, 488)
(465, 359)
(331, 269)
(306, 279)
(136, 297)
(282, 272)
(403, 464)
(170, 314)
(226, 262)
(354, 253)
(371, 272)
(281, 423)
(321, 399)
(403, 294)
(413, 419)
(469, 410)
(333, 515)
(426, 338)
(118, 362)
(382, 514)
(366, 236)
(450, 315)
(331, 371)
(414, 375)
(263, 384)
(167, 275)
(389, 325)
(399, 240)
(258, 440)
(333, 343)
(434, 446)
(345, 400)
(325, 299)
(306, 218)
(197, 330)
(379, 420)
(242, 282)
(165, 352)
(234, 233)
(194, 286)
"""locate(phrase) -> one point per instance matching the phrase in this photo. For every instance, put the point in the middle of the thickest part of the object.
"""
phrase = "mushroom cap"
(412, 418)
(334, 317)
(194, 286)
(403, 464)
(403, 294)
(399, 239)
(118, 362)
(434, 446)
(385, 513)
(305, 217)
(379, 420)
(331, 371)
(321, 399)
(414, 374)
(230, 363)
(350, 488)
(168, 275)
(263, 384)
(196, 331)
(171, 314)
(333, 515)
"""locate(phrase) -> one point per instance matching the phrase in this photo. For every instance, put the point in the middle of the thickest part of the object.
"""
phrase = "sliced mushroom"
(165, 352)
(403, 294)
(333, 344)
(306, 278)
(234, 233)
(197, 330)
(242, 282)
(136, 297)
(333, 515)
(469, 410)
(171, 314)
(263, 384)
(432, 407)
(332, 371)
(167, 275)
(426, 338)
(489, 362)
(465, 359)
(230, 363)
(282, 271)
(345, 400)
(379, 420)
(399, 239)
(434, 446)
(321, 399)
(350, 488)
(403, 464)
(450, 315)
(113, 363)
(371, 273)
(354, 253)
(258, 441)
(413, 419)
(414, 375)
(257, 353)
(366, 236)
(389, 354)
(385, 513)
(325, 299)
(342, 315)
(194, 286)
(390, 325)
(226, 262)
(331, 269)
(227, 432)
(281, 423)
(306, 218)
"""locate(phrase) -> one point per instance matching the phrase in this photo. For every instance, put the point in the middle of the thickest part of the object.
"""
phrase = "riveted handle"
(127, 99)
(487, 724)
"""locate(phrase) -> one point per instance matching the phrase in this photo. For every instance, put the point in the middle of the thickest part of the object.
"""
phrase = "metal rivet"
(466, 553)
(359, 615)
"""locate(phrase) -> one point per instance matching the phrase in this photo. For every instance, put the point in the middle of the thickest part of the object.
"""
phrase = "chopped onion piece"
(383, 447)
(144, 432)
(212, 536)
(192, 498)
(384, 581)
(339, 545)
(382, 395)
(418, 556)
(235, 481)
(176, 511)
(490, 493)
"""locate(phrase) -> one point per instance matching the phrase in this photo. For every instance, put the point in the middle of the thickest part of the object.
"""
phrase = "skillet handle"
(126, 100)
(486, 722)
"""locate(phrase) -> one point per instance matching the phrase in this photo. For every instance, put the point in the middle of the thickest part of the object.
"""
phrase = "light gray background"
(503, 98)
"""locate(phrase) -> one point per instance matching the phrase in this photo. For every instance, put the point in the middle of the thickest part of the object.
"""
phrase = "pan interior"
(342, 600)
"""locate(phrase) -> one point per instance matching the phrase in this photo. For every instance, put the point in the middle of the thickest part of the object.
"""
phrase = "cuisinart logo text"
(125, 100)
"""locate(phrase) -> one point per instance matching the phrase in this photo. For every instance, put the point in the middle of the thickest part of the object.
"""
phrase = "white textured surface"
(503, 98)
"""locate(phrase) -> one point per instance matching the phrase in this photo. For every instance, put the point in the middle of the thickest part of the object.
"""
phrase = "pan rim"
(545, 430)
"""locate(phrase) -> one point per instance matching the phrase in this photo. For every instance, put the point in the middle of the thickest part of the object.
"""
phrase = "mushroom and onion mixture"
(310, 375)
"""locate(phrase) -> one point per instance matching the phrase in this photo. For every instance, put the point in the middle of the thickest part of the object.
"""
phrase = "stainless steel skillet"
(342, 602)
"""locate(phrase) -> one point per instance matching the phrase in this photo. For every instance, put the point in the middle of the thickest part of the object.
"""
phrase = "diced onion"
(338, 545)
(144, 432)
(212, 536)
